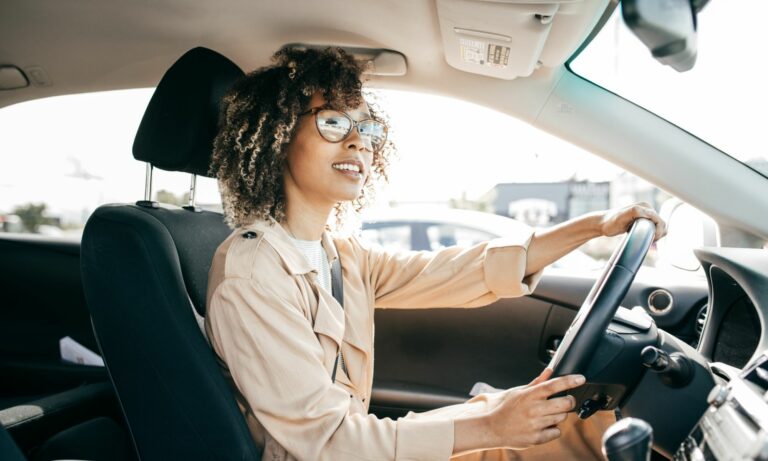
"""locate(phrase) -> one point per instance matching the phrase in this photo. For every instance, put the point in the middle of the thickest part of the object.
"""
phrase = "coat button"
(249, 235)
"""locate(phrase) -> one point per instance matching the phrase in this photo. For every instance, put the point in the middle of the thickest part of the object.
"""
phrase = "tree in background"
(32, 216)
(483, 204)
(164, 196)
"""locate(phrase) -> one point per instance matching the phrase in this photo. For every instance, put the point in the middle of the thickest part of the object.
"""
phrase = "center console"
(730, 428)
(733, 426)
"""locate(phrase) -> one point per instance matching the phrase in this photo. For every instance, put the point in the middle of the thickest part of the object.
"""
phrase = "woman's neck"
(305, 222)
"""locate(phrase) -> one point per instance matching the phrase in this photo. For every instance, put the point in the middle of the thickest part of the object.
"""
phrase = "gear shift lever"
(628, 440)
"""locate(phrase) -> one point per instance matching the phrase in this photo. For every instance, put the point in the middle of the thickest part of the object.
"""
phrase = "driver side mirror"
(687, 229)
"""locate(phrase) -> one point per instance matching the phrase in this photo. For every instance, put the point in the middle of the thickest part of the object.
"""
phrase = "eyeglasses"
(336, 126)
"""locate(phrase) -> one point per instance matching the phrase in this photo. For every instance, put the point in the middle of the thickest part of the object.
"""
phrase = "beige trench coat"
(277, 334)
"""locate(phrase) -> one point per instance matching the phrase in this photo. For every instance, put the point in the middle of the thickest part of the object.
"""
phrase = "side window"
(393, 238)
(65, 156)
(445, 235)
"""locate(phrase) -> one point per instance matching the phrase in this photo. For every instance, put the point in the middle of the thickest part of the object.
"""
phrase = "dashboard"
(734, 424)
(734, 330)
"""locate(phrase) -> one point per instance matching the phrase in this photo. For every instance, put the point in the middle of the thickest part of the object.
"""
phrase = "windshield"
(721, 100)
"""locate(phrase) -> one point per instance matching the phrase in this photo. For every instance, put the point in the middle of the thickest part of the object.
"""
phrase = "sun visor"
(378, 62)
(507, 38)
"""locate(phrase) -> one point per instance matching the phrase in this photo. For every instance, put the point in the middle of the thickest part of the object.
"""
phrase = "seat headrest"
(181, 120)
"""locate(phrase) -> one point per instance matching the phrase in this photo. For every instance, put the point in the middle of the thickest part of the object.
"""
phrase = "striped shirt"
(315, 253)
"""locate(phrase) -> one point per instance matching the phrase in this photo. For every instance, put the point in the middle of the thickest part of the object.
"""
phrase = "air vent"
(660, 301)
(701, 319)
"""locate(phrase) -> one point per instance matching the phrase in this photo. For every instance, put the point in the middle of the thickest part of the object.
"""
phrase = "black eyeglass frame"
(353, 124)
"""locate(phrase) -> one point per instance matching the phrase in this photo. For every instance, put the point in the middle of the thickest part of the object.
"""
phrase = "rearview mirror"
(666, 27)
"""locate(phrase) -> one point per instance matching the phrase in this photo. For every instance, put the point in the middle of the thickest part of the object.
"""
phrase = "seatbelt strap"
(337, 289)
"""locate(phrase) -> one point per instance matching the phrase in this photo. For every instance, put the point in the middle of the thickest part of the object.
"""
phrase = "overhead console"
(512, 38)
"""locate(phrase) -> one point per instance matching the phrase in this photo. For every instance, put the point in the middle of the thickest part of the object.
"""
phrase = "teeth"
(347, 166)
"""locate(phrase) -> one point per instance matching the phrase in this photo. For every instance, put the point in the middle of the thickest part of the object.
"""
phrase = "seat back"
(145, 269)
(9, 451)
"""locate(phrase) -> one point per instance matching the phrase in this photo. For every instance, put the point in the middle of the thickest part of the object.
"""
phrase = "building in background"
(547, 203)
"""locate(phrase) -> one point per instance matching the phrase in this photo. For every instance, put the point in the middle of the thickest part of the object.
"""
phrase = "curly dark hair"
(259, 118)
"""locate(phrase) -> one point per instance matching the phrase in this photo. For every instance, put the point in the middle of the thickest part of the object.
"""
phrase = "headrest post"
(192, 190)
(148, 183)
(147, 202)
(191, 204)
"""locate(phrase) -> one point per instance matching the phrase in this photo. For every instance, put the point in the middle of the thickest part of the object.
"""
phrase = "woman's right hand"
(525, 416)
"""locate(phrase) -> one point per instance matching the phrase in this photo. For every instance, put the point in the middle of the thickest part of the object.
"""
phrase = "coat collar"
(281, 241)
(343, 325)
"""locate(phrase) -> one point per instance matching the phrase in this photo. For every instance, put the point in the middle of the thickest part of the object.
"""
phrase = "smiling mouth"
(349, 169)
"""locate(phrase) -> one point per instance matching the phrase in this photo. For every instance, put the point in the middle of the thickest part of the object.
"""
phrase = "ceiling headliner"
(89, 45)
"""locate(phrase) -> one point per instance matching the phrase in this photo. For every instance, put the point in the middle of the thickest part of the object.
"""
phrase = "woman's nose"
(356, 142)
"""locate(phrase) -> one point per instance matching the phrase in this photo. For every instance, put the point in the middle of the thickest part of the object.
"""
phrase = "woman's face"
(323, 173)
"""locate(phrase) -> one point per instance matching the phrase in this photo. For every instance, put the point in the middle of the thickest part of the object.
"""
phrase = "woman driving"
(299, 144)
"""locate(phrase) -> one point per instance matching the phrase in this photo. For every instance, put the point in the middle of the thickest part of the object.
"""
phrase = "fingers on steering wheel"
(543, 376)
(644, 204)
(556, 406)
(556, 385)
(641, 210)
(645, 210)
(551, 420)
(661, 226)
(547, 435)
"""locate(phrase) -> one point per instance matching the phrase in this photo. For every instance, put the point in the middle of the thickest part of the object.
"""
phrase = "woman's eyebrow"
(360, 114)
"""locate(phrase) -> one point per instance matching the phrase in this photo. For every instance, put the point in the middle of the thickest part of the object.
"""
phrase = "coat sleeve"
(276, 360)
(453, 276)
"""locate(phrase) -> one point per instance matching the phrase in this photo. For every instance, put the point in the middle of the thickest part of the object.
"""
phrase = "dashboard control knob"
(718, 396)
(655, 358)
(675, 370)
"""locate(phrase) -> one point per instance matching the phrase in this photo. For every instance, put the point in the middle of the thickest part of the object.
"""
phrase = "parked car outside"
(433, 228)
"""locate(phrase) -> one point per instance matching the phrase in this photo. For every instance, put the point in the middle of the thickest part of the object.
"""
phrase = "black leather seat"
(8, 449)
(145, 268)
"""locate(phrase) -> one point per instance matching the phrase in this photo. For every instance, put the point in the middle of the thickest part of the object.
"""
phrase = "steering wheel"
(594, 316)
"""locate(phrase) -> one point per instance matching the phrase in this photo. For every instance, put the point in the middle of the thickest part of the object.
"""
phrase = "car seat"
(145, 269)
(8, 449)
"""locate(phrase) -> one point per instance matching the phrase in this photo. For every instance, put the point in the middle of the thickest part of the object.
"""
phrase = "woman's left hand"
(618, 221)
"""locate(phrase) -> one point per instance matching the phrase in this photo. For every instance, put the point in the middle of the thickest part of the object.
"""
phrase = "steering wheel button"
(589, 407)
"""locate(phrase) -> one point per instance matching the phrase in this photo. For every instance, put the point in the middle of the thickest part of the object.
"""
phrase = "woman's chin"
(348, 195)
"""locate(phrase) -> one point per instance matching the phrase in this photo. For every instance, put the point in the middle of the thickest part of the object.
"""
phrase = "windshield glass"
(721, 100)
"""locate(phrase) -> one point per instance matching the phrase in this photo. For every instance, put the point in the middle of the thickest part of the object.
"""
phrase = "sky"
(74, 152)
